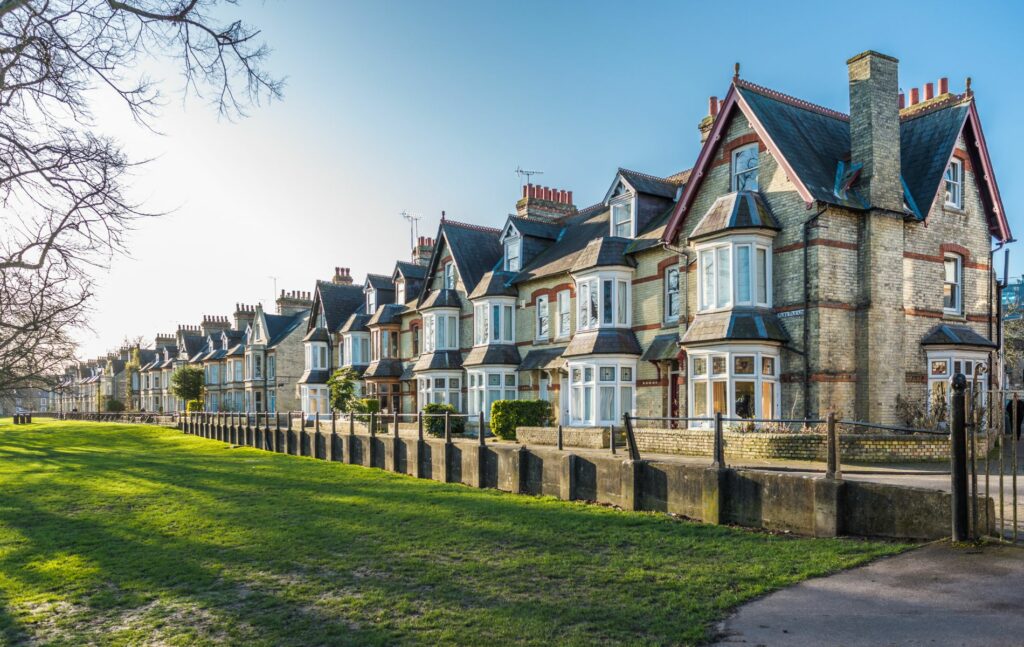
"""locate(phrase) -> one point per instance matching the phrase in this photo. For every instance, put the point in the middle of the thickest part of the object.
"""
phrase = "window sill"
(953, 316)
(951, 208)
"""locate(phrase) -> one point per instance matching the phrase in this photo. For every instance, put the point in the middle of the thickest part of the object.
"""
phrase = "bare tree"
(63, 205)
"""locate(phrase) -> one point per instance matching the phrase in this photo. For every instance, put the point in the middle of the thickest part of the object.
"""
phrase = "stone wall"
(589, 437)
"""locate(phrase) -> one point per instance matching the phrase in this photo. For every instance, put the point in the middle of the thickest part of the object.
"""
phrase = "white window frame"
(709, 255)
(371, 301)
(730, 377)
(440, 330)
(954, 358)
(400, 291)
(958, 305)
(542, 320)
(734, 173)
(616, 206)
(449, 275)
(564, 314)
(668, 292)
(590, 298)
(479, 388)
(953, 183)
(513, 253)
(585, 386)
(486, 326)
(428, 390)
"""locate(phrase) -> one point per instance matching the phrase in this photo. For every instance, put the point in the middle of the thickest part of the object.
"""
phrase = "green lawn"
(124, 534)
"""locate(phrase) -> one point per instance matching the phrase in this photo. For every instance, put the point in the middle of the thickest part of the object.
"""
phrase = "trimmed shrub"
(367, 405)
(114, 405)
(434, 425)
(507, 415)
(194, 405)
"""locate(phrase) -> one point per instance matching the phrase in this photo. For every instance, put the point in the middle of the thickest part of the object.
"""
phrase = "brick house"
(816, 243)
(273, 356)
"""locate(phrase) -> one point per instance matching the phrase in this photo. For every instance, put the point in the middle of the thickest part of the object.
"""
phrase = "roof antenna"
(414, 227)
(736, 71)
(521, 172)
(274, 279)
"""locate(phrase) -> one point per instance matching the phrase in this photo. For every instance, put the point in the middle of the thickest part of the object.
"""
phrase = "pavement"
(934, 595)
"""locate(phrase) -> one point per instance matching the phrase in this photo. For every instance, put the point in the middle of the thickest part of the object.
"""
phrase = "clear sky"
(424, 106)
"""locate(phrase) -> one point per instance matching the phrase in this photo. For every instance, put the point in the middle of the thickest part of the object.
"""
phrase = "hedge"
(194, 405)
(507, 415)
(434, 425)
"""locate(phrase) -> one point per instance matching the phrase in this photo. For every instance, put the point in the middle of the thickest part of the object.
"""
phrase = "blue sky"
(424, 106)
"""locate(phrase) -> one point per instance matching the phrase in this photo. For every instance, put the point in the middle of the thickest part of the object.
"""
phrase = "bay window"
(494, 322)
(601, 390)
(604, 301)
(316, 357)
(738, 382)
(943, 365)
(439, 388)
(440, 331)
(489, 385)
(356, 349)
(734, 272)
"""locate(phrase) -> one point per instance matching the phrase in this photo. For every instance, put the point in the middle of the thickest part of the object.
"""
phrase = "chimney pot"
(568, 197)
(903, 101)
(944, 85)
(713, 106)
(915, 96)
(526, 190)
(929, 91)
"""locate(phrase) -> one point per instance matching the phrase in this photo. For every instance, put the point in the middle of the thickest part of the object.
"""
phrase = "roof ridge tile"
(793, 101)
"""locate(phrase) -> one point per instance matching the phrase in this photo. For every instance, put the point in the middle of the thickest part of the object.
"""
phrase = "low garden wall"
(746, 497)
(586, 437)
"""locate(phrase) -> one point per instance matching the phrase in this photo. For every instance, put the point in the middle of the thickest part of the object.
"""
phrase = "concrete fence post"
(958, 461)
(419, 425)
(611, 439)
(832, 469)
(483, 430)
(559, 438)
(373, 424)
(447, 428)
(718, 451)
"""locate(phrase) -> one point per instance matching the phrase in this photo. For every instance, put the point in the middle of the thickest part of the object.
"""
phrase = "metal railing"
(995, 424)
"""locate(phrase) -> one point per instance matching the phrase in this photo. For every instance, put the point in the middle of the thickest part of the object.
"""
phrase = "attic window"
(744, 168)
(622, 219)
(449, 276)
(371, 301)
(512, 253)
(400, 287)
(955, 184)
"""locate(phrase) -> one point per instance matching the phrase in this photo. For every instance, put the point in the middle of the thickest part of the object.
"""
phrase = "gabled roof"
(474, 250)
(410, 270)
(337, 302)
(650, 184)
(280, 326)
(380, 282)
(812, 146)
(534, 227)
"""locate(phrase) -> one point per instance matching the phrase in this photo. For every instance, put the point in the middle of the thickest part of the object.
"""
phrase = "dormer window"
(449, 276)
(744, 168)
(513, 248)
(371, 301)
(622, 219)
(955, 184)
(400, 291)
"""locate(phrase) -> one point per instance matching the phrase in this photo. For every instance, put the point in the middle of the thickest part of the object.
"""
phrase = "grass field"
(127, 535)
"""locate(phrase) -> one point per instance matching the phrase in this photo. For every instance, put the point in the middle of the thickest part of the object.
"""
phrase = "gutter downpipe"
(1000, 376)
(807, 312)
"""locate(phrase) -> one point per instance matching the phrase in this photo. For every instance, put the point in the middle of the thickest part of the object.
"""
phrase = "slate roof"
(411, 270)
(356, 321)
(474, 249)
(380, 282)
(193, 344)
(650, 184)
(578, 231)
(318, 334)
(315, 376)
(663, 347)
(605, 341)
(338, 302)
(492, 355)
(389, 313)
(737, 210)
(383, 368)
(739, 324)
(407, 371)
(948, 335)
(439, 360)
(441, 299)
(926, 142)
(546, 358)
(536, 228)
(280, 326)
(496, 283)
(603, 252)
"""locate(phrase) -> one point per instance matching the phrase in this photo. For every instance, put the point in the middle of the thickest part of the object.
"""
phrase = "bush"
(434, 425)
(194, 405)
(508, 415)
(114, 405)
(366, 405)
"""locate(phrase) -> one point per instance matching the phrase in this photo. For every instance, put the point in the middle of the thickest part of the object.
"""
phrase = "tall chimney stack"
(342, 276)
(875, 127)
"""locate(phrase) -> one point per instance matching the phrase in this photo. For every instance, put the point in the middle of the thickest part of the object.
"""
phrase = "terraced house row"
(809, 260)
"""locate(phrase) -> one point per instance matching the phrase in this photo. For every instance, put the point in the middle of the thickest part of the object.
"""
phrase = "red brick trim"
(916, 377)
(830, 305)
(662, 266)
(816, 242)
(791, 378)
(551, 293)
(964, 158)
(945, 248)
(728, 147)
(651, 326)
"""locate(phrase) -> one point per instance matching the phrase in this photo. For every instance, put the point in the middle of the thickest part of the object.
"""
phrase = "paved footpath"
(935, 595)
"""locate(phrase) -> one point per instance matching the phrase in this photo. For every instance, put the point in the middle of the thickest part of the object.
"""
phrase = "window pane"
(762, 276)
(625, 400)
(593, 304)
(607, 298)
(744, 399)
(707, 273)
(700, 399)
(607, 373)
(588, 374)
(626, 374)
(494, 379)
(939, 367)
(495, 322)
(724, 280)
(720, 398)
(584, 296)
(743, 365)
(622, 300)
(745, 169)
(588, 402)
(743, 274)
(767, 399)
(606, 395)
(767, 366)
(507, 324)
(718, 366)
(700, 365)
(510, 379)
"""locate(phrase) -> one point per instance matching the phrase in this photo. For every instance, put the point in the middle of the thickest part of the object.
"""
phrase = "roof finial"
(442, 215)
(968, 91)
(736, 71)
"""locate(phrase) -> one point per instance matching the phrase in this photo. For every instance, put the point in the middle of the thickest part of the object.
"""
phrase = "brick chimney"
(293, 302)
(342, 276)
(875, 127)
(545, 203)
(422, 251)
(164, 339)
(213, 324)
(244, 314)
(708, 122)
